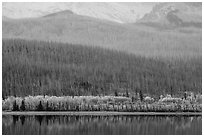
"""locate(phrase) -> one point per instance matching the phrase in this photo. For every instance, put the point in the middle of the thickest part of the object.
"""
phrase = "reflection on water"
(101, 125)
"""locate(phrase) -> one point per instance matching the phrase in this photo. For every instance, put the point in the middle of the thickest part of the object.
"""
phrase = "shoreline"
(103, 113)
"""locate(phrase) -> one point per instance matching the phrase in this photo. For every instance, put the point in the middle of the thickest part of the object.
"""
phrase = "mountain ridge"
(169, 13)
(174, 15)
(117, 12)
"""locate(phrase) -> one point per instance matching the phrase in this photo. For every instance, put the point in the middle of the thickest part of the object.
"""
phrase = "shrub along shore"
(102, 103)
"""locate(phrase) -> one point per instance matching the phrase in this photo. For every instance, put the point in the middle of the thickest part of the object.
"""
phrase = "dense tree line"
(105, 103)
(36, 67)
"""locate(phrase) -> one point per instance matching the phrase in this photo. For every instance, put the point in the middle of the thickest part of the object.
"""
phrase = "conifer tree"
(22, 107)
(15, 106)
(40, 107)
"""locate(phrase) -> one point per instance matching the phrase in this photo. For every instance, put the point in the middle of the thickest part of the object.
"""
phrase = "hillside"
(68, 27)
(36, 67)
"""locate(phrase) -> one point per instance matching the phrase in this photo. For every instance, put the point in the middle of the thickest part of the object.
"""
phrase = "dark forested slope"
(34, 67)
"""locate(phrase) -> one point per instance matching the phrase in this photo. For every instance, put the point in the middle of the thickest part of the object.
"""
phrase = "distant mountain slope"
(174, 15)
(118, 12)
(163, 14)
(69, 27)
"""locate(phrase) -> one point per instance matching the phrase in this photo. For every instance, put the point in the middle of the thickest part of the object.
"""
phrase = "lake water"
(99, 125)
